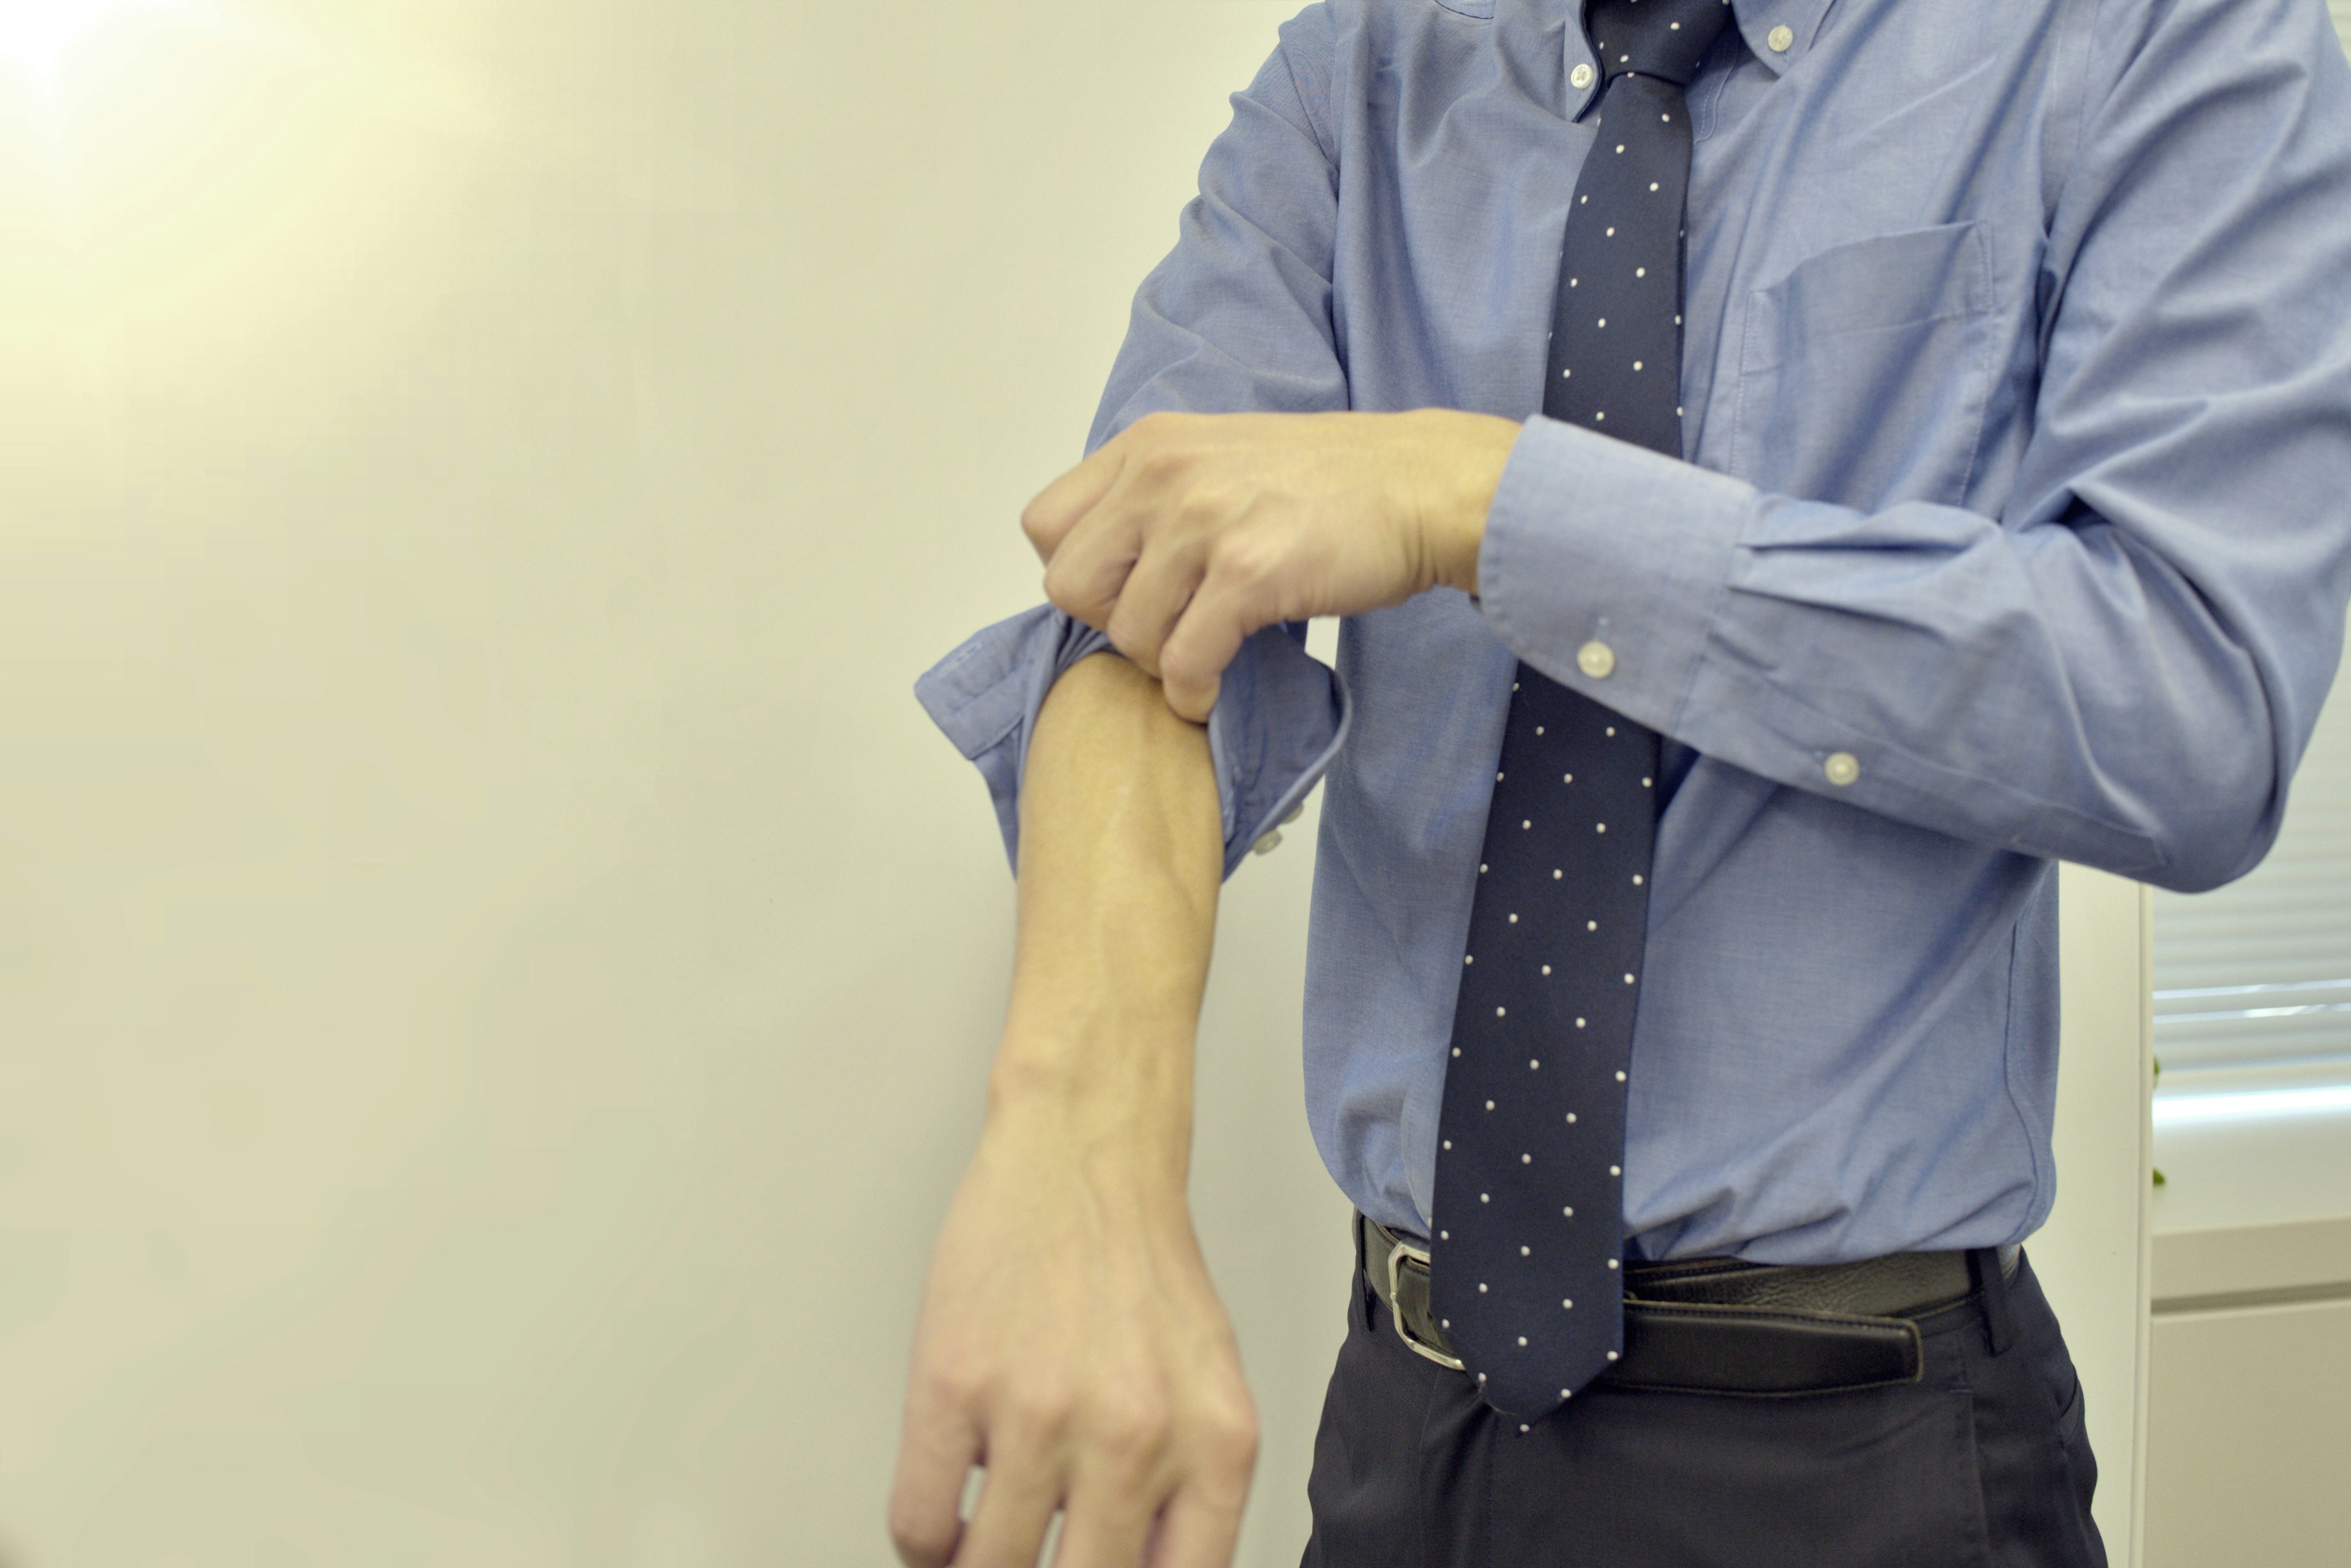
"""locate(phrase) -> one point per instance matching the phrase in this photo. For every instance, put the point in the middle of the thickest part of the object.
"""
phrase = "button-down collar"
(1756, 19)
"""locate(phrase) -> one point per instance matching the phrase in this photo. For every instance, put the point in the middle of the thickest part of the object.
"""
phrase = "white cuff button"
(1267, 844)
(1841, 769)
(1595, 660)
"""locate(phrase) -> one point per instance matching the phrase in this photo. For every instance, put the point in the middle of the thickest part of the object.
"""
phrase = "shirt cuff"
(1603, 565)
(1279, 718)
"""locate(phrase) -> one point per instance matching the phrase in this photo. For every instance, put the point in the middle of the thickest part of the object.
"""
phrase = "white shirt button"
(1595, 659)
(1293, 813)
(1841, 769)
(1267, 844)
(1580, 77)
(1779, 38)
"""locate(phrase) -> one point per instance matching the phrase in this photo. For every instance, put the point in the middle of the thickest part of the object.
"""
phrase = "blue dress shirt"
(2015, 526)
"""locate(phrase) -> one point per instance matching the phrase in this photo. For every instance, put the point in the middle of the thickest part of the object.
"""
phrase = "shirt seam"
(2033, 1135)
(2090, 110)
(1323, 141)
(1979, 232)
(2076, 42)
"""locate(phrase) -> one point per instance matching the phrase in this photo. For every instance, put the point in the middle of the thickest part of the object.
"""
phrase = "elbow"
(2197, 868)
(2222, 812)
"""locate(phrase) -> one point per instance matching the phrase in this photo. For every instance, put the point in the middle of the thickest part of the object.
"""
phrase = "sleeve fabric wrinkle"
(1236, 319)
(2123, 668)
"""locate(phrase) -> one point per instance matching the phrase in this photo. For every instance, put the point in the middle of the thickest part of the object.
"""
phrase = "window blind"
(2259, 972)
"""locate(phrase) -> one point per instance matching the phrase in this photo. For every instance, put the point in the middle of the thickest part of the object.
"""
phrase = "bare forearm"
(1121, 851)
(1071, 1340)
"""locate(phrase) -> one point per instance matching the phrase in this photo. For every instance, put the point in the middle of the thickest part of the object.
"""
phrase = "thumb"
(1193, 698)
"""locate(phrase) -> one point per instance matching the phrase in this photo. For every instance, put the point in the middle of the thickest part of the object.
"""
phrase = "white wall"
(496, 971)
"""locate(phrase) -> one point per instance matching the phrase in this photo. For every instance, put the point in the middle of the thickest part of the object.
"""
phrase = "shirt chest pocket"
(1864, 374)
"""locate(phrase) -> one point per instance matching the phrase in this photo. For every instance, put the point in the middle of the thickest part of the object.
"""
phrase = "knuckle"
(1061, 588)
(918, 1540)
(946, 1387)
(1229, 1432)
(1134, 1433)
(1158, 464)
(1240, 556)
(1235, 1442)
(1039, 1415)
(1204, 509)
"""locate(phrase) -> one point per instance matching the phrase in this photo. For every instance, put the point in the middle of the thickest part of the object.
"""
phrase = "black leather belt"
(1717, 1325)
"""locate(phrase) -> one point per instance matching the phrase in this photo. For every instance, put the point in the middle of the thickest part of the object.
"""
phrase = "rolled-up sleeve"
(2123, 668)
(1236, 319)
(1278, 721)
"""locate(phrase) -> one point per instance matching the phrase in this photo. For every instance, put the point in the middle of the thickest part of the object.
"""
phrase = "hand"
(1186, 533)
(1071, 1343)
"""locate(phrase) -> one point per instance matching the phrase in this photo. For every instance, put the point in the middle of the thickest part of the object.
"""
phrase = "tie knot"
(1663, 38)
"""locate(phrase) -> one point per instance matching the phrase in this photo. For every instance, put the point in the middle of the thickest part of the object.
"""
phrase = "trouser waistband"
(1723, 1325)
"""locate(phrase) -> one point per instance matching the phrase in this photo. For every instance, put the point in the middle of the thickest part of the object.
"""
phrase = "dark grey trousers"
(1981, 1463)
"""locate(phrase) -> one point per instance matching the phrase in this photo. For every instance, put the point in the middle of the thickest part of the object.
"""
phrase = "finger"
(936, 1453)
(1016, 1507)
(1153, 598)
(1106, 1525)
(1222, 613)
(1196, 1529)
(1091, 565)
(1054, 510)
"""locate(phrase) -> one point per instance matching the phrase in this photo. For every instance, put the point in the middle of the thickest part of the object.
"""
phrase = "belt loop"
(1363, 1268)
(1992, 1285)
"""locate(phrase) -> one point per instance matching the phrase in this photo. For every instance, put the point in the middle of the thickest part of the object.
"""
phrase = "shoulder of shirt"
(1317, 37)
(1324, 22)
(2122, 30)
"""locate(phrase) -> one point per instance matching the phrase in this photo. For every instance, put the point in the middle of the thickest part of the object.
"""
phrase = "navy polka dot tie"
(1525, 1278)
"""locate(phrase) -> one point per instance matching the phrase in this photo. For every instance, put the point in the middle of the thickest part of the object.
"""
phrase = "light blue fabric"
(2018, 411)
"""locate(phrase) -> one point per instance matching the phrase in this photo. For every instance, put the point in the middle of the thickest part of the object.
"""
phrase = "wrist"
(1472, 451)
(1129, 1120)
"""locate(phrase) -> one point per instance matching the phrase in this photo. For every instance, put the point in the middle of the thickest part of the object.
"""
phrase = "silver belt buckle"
(1399, 1254)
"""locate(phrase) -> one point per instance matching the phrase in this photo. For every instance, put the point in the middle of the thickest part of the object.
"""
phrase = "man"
(1792, 472)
